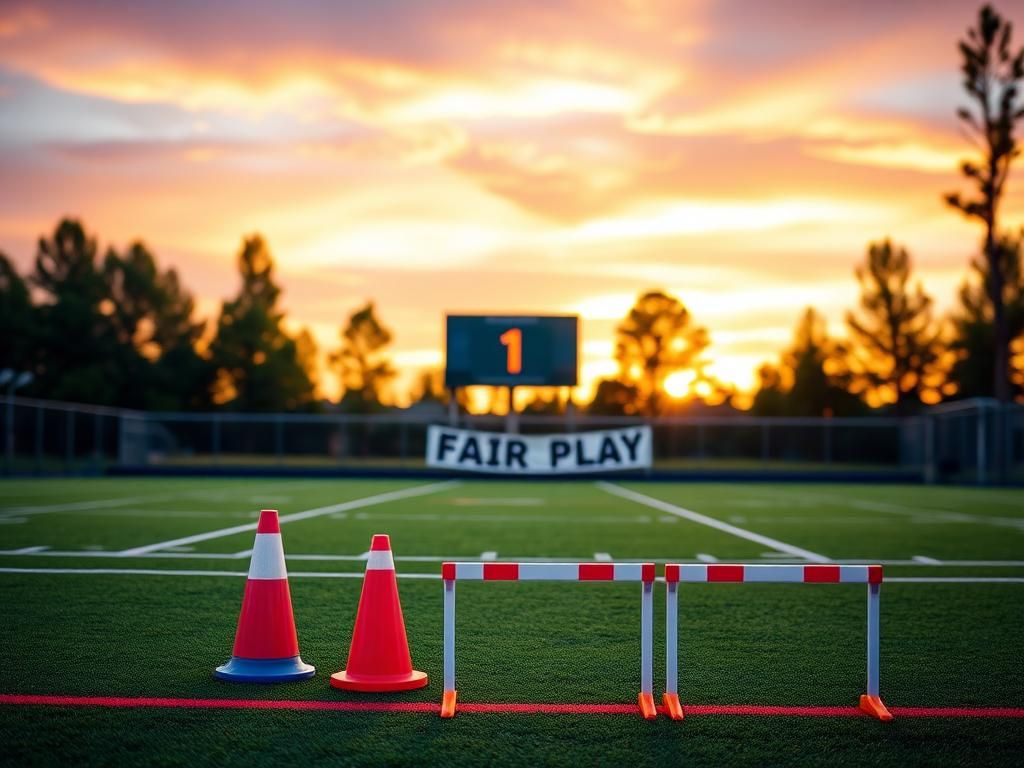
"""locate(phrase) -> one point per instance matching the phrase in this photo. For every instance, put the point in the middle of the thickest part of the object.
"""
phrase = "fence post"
(39, 440)
(97, 441)
(215, 438)
(279, 438)
(69, 440)
(981, 447)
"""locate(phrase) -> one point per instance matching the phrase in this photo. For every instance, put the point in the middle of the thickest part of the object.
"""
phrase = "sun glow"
(679, 384)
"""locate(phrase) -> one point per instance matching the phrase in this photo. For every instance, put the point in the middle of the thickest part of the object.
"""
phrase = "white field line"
(706, 558)
(123, 501)
(711, 522)
(771, 557)
(432, 517)
(368, 501)
(436, 576)
(925, 560)
(867, 505)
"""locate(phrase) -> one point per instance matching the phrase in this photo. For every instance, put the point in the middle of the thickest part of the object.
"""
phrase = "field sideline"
(128, 588)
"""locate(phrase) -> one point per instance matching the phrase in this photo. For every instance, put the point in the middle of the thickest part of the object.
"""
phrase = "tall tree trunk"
(996, 281)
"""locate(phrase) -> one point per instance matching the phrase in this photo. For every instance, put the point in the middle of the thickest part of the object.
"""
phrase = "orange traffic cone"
(266, 646)
(378, 659)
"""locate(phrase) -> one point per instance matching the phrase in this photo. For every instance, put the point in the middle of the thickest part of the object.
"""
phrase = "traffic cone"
(378, 659)
(266, 646)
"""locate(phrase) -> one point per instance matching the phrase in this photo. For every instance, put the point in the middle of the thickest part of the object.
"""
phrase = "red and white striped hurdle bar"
(871, 575)
(634, 572)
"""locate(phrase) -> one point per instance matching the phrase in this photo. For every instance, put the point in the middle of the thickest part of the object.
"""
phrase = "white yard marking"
(772, 557)
(12, 520)
(924, 560)
(917, 514)
(236, 574)
(508, 501)
(489, 555)
(368, 501)
(711, 522)
(431, 517)
(437, 576)
(668, 519)
(957, 579)
(705, 558)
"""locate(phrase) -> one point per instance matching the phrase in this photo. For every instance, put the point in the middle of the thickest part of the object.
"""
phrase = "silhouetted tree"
(894, 345)
(770, 398)
(257, 363)
(78, 354)
(614, 398)
(362, 360)
(17, 320)
(808, 382)
(972, 322)
(655, 339)
(152, 318)
(992, 76)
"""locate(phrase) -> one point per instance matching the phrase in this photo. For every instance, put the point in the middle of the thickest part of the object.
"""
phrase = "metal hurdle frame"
(635, 572)
(870, 702)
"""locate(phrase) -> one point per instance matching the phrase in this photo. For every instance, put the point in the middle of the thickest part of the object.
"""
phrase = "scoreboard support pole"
(512, 419)
(453, 407)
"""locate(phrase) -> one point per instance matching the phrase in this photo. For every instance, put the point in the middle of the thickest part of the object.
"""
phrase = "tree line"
(118, 330)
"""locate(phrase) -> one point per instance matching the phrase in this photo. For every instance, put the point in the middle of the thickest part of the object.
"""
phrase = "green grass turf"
(942, 644)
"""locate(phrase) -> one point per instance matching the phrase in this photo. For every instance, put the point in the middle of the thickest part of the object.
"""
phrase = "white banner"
(600, 451)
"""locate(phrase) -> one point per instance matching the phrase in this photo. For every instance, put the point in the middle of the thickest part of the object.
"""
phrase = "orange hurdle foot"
(672, 705)
(448, 704)
(873, 706)
(647, 708)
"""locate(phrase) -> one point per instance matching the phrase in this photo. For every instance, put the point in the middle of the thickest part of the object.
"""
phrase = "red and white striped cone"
(266, 645)
(379, 659)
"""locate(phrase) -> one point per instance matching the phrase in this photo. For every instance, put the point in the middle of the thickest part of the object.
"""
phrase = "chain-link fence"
(977, 441)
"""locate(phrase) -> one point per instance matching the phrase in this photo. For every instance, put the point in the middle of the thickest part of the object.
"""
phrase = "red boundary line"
(525, 709)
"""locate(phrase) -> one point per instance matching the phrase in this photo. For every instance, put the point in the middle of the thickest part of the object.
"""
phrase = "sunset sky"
(549, 156)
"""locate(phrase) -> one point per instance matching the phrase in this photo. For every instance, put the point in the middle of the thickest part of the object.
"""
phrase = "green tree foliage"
(894, 349)
(973, 319)
(17, 320)
(992, 77)
(363, 362)
(657, 338)
(258, 364)
(809, 381)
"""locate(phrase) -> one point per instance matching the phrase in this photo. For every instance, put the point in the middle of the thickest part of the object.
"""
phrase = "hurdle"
(635, 572)
(871, 575)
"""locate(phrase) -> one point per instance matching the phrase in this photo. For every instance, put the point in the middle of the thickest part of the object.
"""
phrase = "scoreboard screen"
(511, 350)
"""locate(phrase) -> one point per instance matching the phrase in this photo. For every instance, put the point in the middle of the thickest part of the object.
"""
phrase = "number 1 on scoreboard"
(513, 339)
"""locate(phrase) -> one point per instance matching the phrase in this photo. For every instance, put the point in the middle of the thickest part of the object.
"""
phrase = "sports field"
(123, 588)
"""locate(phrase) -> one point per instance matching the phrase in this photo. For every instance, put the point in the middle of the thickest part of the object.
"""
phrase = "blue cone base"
(239, 670)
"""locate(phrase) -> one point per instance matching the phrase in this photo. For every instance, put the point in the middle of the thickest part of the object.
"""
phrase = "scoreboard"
(511, 350)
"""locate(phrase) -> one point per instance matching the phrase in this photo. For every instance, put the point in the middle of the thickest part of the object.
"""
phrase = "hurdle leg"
(450, 694)
(671, 696)
(646, 697)
(871, 703)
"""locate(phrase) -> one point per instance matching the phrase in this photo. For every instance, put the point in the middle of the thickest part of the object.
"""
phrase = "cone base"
(239, 670)
(873, 706)
(672, 706)
(378, 683)
(647, 708)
